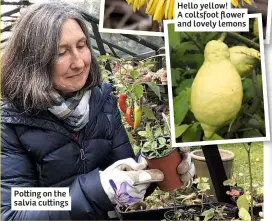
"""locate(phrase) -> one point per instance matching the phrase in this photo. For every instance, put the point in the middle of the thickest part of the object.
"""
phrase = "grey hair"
(31, 52)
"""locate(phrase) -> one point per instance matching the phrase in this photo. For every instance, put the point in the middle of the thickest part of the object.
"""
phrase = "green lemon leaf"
(193, 133)
(213, 137)
(174, 37)
(179, 130)
(176, 76)
(183, 85)
(182, 48)
(181, 107)
(247, 89)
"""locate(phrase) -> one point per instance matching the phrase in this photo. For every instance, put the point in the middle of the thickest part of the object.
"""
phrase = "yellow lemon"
(217, 91)
(244, 59)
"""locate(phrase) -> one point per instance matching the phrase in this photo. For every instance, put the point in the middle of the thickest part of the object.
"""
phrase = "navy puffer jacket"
(38, 151)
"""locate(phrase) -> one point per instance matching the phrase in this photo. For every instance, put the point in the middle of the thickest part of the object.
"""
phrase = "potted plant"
(159, 154)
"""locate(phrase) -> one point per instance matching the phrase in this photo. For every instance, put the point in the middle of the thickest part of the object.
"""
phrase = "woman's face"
(71, 69)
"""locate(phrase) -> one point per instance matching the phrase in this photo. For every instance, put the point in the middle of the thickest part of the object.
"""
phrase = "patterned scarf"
(74, 111)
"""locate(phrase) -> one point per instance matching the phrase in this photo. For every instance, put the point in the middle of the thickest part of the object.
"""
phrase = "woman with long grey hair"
(60, 125)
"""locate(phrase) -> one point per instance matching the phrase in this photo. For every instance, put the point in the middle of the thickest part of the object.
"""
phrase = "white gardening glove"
(186, 168)
(125, 182)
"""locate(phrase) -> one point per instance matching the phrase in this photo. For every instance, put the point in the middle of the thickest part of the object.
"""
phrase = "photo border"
(122, 31)
(267, 180)
(170, 94)
(268, 23)
(161, 34)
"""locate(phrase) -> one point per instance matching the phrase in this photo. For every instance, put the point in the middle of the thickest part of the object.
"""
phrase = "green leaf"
(243, 202)
(142, 133)
(183, 85)
(260, 85)
(162, 140)
(182, 48)
(213, 137)
(138, 90)
(158, 132)
(155, 88)
(175, 76)
(154, 145)
(134, 74)
(193, 133)
(179, 130)
(174, 37)
(180, 107)
(203, 187)
(208, 214)
(229, 182)
(148, 113)
(194, 59)
(247, 89)
(244, 214)
(145, 148)
(252, 133)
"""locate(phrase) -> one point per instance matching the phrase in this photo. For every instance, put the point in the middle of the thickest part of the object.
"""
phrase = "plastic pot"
(170, 215)
(152, 214)
(168, 165)
(230, 210)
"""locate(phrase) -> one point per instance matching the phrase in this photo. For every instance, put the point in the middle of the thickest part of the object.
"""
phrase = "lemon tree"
(217, 85)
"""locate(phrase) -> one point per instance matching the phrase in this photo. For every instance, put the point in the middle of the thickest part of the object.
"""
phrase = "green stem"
(175, 205)
(244, 40)
(250, 176)
(202, 204)
(248, 149)
(222, 36)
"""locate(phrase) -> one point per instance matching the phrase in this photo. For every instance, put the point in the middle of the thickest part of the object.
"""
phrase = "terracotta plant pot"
(168, 165)
(202, 168)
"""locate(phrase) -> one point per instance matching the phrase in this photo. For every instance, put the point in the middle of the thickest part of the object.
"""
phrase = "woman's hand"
(125, 182)
(186, 169)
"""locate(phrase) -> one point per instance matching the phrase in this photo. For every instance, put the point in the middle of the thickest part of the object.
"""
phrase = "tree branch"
(244, 40)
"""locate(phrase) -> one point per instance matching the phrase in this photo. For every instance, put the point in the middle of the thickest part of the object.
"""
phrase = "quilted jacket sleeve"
(89, 200)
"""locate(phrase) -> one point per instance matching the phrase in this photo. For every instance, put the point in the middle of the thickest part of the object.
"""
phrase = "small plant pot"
(170, 215)
(147, 214)
(195, 210)
(230, 210)
(257, 209)
(168, 165)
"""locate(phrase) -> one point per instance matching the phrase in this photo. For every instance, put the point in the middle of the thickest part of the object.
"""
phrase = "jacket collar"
(46, 120)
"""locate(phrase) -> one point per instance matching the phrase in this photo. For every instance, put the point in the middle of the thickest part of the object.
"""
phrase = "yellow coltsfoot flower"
(169, 9)
(151, 7)
(159, 12)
